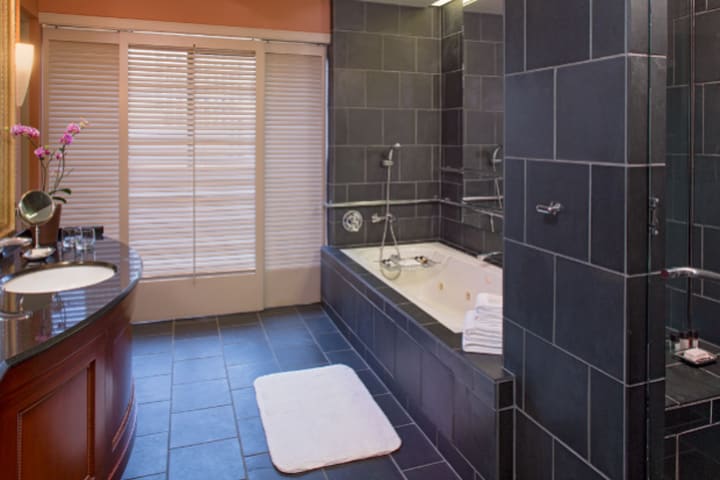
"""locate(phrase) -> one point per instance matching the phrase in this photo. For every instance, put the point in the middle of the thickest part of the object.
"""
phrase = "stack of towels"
(482, 332)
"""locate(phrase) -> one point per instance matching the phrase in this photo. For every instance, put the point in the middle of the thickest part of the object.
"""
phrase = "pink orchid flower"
(25, 131)
(66, 139)
(41, 152)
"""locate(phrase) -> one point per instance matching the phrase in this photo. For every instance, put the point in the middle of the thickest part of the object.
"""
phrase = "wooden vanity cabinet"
(68, 412)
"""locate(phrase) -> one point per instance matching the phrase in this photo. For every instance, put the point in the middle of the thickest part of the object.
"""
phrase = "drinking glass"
(70, 237)
(86, 239)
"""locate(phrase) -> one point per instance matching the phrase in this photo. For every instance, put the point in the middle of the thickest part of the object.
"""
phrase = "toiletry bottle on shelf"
(684, 341)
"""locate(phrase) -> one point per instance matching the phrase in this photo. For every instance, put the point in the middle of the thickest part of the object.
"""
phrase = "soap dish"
(697, 357)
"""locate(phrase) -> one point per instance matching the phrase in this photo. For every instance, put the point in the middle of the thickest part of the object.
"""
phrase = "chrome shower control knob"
(352, 221)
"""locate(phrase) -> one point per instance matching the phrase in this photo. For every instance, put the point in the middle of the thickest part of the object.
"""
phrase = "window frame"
(221, 292)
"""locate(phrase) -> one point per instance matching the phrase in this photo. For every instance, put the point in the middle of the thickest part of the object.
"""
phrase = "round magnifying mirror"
(36, 208)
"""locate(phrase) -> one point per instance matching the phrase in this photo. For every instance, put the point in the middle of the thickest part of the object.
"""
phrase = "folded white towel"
(482, 332)
(485, 300)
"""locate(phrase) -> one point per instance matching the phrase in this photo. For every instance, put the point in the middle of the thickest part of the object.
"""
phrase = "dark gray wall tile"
(514, 183)
(383, 89)
(452, 17)
(428, 127)
(362, 50)
(416, 164)
(528, 288)
(529, 114)
(711, 120)
(348, 87)
(349, 164)
(398, 53)
(428, 55)
(608, 19)
(534, 461)
(479, 58)
(707, 46)
(558, 32)
(416, 21)
(568, 184)
(707, 194)
(548, 371)
(365, 127)
(437, 393)
(382, 18)
(451, 53)
(452, 89)
(590, 315)
(608, 217)
(480, 127)
(607, 416)
(348, 15)
(473, 92)
(591, 111)
(569, 467)
(398, 127)
(416, 90)
(492, 27)
(493, 96)
(514, 36)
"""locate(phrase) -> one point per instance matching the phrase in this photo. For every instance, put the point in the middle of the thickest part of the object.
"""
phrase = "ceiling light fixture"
(440, 3)
(468, 2)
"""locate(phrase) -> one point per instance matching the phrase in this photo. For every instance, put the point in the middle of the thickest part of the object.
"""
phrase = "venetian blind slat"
(83, 83)
(192, 125)
(294, 161)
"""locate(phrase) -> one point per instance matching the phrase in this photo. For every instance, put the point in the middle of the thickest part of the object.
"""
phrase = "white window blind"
(294, 160)
(191, 160)
(83, 83)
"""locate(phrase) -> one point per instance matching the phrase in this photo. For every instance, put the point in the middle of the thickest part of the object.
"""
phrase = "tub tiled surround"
(385, 88)
(576, 285)
(463, 402)
(706, 225)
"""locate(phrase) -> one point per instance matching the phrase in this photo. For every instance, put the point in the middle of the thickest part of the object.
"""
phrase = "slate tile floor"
(197, 415)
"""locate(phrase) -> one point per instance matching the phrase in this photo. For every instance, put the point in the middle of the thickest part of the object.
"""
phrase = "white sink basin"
(58, 277)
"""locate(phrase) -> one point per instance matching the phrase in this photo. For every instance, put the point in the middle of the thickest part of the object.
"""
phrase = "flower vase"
(49, 231)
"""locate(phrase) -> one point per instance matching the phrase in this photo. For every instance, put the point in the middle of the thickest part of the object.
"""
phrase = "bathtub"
(445, 290)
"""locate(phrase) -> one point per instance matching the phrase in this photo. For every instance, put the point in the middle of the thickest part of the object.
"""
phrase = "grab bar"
(689, 272)
(422, 201)
(379, 203)
(487, 198)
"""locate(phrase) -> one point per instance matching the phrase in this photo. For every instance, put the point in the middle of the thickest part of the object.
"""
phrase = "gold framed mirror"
(7, 116)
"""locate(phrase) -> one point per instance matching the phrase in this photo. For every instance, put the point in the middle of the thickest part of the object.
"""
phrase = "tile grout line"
(236, 420)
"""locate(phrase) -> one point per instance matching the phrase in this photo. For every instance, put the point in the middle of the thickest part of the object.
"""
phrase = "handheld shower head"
(388, 160)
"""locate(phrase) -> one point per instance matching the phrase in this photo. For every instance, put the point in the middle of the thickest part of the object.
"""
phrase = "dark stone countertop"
(50, 318)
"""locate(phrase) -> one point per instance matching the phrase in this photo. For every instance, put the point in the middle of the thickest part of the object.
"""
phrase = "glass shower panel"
(692, 214)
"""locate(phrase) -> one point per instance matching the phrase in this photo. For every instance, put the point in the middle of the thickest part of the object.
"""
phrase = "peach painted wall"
(297, 15)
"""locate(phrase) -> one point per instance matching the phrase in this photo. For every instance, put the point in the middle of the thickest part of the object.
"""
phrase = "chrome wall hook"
(553, 209)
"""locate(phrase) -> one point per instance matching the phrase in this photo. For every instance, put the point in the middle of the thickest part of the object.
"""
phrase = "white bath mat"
(319, 417)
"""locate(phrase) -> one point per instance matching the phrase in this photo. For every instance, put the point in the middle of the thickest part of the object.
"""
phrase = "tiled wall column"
(384, 88)
(576, 285)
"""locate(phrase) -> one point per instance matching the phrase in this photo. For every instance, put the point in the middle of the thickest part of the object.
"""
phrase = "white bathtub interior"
(446, 290)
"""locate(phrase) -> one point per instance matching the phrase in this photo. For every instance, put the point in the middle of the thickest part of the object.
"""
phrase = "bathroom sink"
(58, 277)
